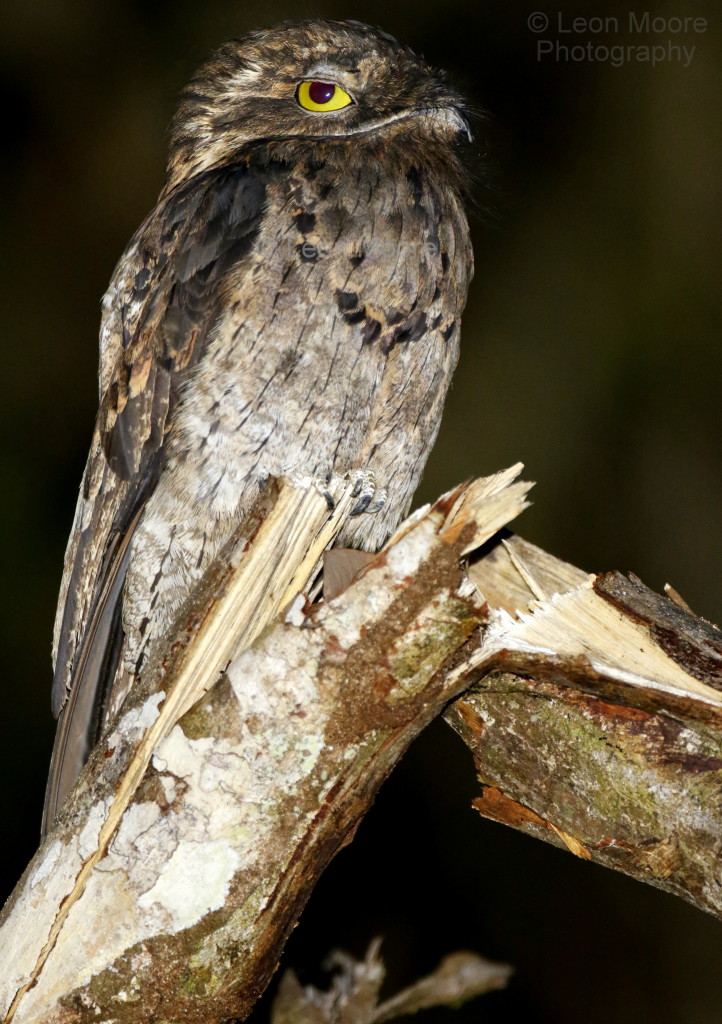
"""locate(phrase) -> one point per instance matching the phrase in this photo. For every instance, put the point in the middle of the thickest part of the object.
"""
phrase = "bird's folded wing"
(165, 297)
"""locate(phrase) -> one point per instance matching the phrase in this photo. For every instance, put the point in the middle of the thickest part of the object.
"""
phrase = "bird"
(289, 309)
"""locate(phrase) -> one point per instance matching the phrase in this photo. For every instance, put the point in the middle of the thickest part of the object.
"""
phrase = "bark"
(205, 816)
(575, 746)
(248, 753)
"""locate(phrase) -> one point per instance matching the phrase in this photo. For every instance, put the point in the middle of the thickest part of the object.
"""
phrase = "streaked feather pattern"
(290, 308)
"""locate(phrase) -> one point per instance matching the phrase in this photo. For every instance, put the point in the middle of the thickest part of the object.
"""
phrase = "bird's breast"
(352, 285)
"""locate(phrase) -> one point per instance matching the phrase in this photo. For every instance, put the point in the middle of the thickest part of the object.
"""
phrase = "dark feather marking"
(410, 329)
(313, 166)
(413, 176)
(370, 332)
(346, 300)
(305, 222)
(331, 364)
(355, 317)
(142, 280)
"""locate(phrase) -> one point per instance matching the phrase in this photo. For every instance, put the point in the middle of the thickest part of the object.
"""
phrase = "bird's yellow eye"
(322, 96)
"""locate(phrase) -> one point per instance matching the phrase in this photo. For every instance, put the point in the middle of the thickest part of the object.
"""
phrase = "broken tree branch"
(603, 731)
(252, 747)
(198, 829)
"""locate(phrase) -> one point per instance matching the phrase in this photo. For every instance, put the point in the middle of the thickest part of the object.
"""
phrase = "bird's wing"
(164, 299)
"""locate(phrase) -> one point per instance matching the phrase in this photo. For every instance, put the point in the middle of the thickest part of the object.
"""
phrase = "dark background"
(590, 351)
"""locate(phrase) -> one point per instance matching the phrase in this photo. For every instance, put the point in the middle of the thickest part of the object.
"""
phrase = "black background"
(590, 351)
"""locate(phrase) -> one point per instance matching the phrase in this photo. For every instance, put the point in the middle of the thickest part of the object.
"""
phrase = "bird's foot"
(370, 498)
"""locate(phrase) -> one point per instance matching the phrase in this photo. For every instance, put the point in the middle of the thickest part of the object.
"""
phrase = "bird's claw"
(379, 501)
(326, 485)
(369, 498)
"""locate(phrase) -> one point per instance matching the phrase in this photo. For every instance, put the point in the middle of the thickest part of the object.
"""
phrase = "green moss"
(419, 654)
(197, 981)
(223, 945)
(597, 774)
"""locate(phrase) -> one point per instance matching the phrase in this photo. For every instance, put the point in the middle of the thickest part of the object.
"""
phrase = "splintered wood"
(545, 607)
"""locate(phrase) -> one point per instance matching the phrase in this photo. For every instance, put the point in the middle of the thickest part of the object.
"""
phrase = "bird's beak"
(451, 117)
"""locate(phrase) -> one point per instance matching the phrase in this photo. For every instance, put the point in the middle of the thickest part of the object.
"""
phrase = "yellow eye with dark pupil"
(322, 96)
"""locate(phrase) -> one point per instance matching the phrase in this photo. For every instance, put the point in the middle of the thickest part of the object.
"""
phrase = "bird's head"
(313, 81)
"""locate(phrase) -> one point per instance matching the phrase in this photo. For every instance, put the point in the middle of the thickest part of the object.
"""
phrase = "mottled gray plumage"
(290, 308)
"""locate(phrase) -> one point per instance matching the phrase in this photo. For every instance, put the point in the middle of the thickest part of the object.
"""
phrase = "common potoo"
(290, 308)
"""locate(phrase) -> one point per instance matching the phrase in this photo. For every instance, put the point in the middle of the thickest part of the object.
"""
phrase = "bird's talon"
(325, 485)
(369, 499)
(361, 505)
(378, 503)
